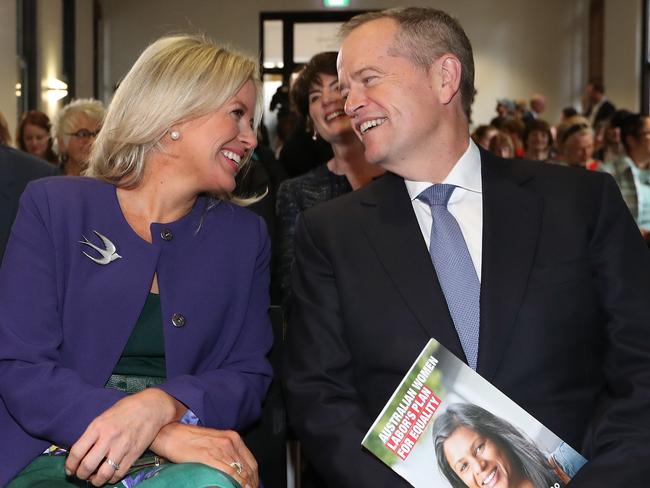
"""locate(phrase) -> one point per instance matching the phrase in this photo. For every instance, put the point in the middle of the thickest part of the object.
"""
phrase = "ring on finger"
(237, 466)
(112, 464)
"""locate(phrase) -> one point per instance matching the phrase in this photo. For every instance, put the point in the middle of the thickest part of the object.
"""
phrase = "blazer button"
(178, 320)
(166, 234)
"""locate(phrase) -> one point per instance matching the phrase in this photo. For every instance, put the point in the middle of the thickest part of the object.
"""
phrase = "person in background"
(74, 129)
(632, 169)
(33, 136)
(5, 135)
(515, 128)
(537, 105)
(576, 144)
(597, 108)
(567, 113)
(505, 109)
(612, 148)
(521, 109)
(16, 170)
(501, 145)
(538, 140)
(317, 98)
(483, 134)
(134, 326)
(302, 149)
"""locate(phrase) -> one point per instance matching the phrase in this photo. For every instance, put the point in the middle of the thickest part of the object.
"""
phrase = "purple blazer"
(64, 319)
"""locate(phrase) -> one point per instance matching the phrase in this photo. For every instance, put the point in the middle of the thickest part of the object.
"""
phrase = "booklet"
(445, 426)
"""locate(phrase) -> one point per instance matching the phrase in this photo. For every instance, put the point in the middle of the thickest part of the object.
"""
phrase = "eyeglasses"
(84, 133)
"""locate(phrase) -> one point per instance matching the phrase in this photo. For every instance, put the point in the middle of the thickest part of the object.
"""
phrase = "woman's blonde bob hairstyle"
(177, 78)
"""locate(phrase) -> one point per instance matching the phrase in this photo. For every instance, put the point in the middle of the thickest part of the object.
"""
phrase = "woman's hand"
(119, 436)
(220, 449)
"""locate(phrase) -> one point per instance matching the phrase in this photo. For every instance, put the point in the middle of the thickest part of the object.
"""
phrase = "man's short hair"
(597, 86)
(424, 35)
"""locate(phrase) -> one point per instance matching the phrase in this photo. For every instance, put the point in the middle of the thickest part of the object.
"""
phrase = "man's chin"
(374, 157)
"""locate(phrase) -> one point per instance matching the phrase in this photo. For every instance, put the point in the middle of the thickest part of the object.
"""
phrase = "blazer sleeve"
(323, 404)
(229, 392)
(617, 441)
(47, 399)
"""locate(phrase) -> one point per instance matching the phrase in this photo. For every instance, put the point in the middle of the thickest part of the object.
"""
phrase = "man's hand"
(116, 438)
(220, 449)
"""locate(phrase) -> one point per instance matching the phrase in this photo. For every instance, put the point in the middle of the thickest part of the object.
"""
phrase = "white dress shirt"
(642, 184)
(465, 204)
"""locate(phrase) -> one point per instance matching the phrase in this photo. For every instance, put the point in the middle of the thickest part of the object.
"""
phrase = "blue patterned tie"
(454, 268)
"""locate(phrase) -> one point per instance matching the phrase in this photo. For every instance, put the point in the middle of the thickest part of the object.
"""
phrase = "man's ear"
(449, 70)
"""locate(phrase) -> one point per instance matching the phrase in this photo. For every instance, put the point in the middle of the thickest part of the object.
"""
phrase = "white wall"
(9, 71)
(623, 53)
(520, 46)
(84, 76)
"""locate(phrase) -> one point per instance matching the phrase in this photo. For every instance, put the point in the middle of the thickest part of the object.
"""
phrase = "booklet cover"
(445, 426)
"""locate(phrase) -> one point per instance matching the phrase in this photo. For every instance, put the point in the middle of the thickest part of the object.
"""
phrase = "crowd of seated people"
(593, 140)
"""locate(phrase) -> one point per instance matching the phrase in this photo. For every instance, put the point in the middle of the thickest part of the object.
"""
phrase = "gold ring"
(237, 466)
(112, 464)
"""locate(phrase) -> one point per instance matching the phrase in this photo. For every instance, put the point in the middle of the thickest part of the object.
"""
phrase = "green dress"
(141, 365)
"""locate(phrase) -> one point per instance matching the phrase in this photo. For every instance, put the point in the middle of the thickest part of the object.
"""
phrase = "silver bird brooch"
(108, 255)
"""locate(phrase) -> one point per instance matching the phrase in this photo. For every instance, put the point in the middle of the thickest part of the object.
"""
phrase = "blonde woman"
(74, 129)
(134, 323)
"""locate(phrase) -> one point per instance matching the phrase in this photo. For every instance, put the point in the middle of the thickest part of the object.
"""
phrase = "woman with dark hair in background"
(316, 96)
(475, 449)
(33, 136)
(538, 140)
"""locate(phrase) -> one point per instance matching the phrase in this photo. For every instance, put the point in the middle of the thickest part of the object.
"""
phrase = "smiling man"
(533, 274)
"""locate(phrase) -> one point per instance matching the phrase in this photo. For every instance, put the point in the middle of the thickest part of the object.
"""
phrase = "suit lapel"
(511, 222)
(392, 229)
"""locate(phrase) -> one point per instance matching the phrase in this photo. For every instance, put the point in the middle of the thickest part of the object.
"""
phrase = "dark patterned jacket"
(294, 196)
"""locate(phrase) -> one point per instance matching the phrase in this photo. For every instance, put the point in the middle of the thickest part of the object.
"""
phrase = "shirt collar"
(465, 174)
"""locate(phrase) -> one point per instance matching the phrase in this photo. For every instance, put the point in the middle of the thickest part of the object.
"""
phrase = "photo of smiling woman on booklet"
(475, 448)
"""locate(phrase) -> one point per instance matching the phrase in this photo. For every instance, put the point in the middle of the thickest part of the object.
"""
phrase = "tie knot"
(437, 194)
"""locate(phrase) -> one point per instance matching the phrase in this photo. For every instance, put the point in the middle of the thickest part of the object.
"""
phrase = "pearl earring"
(314, 135)
(175, 135)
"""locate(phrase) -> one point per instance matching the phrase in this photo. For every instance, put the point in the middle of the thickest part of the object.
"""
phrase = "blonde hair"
(63, 121)
(175, 79)
(576, 125)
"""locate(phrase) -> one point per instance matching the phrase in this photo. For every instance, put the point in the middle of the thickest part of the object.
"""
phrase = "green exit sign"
(336, 3)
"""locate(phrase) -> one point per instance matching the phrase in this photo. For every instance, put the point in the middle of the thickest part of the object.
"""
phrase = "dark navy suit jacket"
(16, 170)
(565, 317)
(64, 319)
